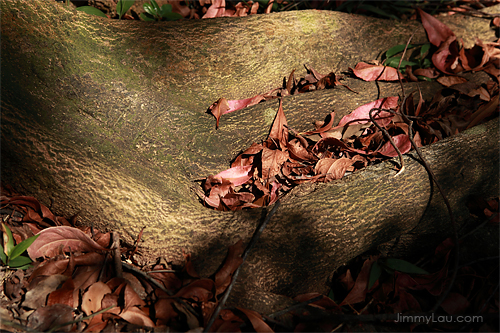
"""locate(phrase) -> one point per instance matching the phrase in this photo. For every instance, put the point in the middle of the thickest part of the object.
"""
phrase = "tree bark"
(106, 119)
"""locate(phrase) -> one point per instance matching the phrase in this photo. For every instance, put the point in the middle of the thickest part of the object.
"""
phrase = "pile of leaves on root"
(266, 171)
(81, 282)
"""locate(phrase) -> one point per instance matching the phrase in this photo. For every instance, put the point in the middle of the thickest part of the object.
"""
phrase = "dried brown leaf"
(69, 239)
(279, 129)
(272, 160)
(332, 168)
(91, 300)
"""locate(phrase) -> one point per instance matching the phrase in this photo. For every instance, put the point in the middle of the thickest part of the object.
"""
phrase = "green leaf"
(123, 6)
(424, 49)
(3, 257)
(424, 78)
(426, 63)
(396, 49)
(155, 6)
(404, 266)
(91, 10)
(167, 8)
(394, 62)
(9, 245)
(149, 9)
(375, 273)
(21, 247)
(173, 16)
(19, 262)
(147, 17)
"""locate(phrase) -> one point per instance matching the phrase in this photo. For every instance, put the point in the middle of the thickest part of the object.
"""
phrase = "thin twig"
(79, 320)
(251, 244)
(450, 212)
(295, 307)
(479, 226)
(147, 277)
(117, 254)
(441, 191)
(159, 286)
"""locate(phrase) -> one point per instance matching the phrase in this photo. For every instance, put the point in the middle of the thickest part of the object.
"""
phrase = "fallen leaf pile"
(73, 280)
(449, 58)
(381, 286)
(266, 171)
(74, 286)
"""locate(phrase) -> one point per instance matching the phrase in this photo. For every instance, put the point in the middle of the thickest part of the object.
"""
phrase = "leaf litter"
(270, 169)
(71, 286)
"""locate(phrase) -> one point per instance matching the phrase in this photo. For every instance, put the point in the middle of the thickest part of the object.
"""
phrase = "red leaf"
(68, 239)
(64, 295)
(298, 152)
(217, 9)
(437, 32)
(134, 316)
(237, 175)
(402, 141)
(237, 104)
(451, 80)
(235, 200)
(361, 114)
(369, 72)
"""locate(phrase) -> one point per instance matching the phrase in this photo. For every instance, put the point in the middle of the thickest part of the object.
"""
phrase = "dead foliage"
(266, 171)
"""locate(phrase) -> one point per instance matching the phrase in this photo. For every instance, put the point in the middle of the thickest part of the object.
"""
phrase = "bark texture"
(106, 119)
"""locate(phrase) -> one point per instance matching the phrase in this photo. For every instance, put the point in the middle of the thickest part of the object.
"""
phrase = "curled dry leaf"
(217, 9)
(446, 57)
(218, 108)
(279, 129)
(37, 296)
(451, 80)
